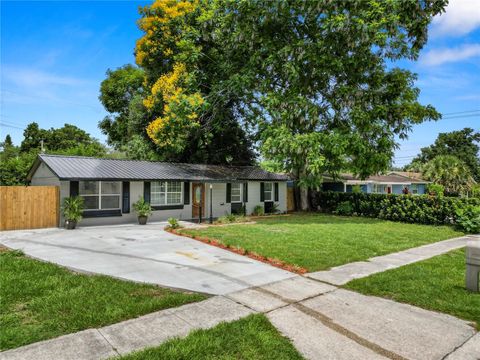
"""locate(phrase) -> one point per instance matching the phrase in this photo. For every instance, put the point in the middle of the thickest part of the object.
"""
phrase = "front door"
(198, 200)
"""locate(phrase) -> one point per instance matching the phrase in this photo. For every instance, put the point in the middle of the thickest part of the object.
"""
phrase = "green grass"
(436, 284)
(252, 337)
(320, 241)
(41, 300)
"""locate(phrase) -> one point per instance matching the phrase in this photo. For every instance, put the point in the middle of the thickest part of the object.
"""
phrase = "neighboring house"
(109, 187)
(393, 183)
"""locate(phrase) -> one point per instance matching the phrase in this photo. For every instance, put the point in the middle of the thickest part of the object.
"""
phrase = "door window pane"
(268, 192)
(236, 194)
(198, 195)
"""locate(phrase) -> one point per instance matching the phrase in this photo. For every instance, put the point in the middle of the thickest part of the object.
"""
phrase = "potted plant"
(72, 211)
(143, 210)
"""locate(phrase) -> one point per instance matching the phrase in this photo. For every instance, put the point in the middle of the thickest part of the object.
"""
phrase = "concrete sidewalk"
(322, 321)
(341, 275)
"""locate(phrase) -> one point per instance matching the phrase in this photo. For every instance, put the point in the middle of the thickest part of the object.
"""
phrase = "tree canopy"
(463, 144)
(450, 172)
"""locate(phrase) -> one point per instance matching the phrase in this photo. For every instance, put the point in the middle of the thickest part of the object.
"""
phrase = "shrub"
(142, 208)
(232, 218)
(258, 210)
(73, 208)
(468, 218)
(436, 190)
(420, 209)
(173, 223)
(344, 208)
(275, 208)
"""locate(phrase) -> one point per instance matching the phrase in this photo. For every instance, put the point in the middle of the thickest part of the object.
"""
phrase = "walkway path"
(340, 275)
(322, 321)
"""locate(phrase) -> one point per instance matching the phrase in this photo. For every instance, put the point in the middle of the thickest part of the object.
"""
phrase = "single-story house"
(392, 183)
(109, 187)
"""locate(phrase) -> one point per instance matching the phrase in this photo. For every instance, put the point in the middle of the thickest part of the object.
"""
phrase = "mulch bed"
(241, 251)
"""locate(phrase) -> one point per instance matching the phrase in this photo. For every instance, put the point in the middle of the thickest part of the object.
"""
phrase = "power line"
(462, 112)
(10, 126)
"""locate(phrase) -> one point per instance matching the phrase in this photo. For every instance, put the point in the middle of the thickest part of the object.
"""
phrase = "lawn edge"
(241, 251)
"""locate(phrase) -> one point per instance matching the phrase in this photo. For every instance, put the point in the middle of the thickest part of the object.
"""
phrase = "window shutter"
(245, 192)
(186, 193)
(74, 188)
(146, 191)
(276, 191)
(229, 193)
(125, 197)
(262, 191)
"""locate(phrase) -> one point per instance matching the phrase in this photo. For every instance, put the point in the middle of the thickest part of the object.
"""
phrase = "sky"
(53, 56)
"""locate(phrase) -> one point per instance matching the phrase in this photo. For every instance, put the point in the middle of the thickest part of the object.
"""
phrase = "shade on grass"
(321, 241)
(436, 284)
(41, 300)
(252, 337)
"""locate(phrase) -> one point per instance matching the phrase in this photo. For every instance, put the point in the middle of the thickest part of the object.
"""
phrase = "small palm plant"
(143, 210)
(72, 211)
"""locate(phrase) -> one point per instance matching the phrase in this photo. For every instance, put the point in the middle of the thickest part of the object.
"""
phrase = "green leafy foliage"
(463, 144)
(72, 208)
(436, 190)
(344, 208)
(420, 209)
(142, 208)
(450, 172)
(173, 223)
(258, 210)
(468, 218)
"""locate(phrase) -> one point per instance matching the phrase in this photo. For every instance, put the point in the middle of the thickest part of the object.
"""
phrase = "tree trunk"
(304, 199)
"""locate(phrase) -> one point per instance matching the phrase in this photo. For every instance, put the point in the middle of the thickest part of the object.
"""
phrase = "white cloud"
(460, 18)
(36, 78)
(448, 55)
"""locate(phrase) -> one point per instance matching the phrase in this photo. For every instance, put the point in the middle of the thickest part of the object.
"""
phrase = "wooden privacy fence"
(29, 207)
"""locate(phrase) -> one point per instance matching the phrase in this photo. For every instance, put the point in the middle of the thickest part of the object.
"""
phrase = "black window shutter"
(146, 191)
(245, 192)
(186, 193)
(276, 191)
(126, 197)
(229, 193)
(262, 191)
(74, 188)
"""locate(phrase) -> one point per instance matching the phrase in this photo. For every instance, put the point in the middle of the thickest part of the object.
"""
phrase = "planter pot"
(142, 220)
(70, 224)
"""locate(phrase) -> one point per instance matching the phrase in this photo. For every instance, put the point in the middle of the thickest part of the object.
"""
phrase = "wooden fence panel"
(29, 207)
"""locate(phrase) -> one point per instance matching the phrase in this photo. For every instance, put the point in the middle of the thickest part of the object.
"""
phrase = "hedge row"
(420, 209)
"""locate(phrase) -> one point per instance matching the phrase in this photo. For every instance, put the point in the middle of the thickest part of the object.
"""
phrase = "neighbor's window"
(414, 189)
(236, 193)
(100, 195)
(377, 188)
(166, 193)
(267, 193)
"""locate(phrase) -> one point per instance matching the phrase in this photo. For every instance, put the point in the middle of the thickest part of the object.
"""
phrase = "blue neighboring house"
(395, 182)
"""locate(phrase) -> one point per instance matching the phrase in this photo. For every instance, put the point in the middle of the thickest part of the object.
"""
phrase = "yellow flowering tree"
(168, 51)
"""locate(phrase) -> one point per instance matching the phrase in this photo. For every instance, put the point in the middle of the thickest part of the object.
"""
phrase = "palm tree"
(449, 171)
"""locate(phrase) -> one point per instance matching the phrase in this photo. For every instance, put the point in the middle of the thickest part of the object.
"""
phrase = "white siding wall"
(43, 176)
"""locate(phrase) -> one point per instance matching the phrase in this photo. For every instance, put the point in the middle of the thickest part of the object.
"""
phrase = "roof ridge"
(147, 161)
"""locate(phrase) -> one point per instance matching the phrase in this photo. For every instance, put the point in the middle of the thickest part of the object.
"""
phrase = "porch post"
(211, 204)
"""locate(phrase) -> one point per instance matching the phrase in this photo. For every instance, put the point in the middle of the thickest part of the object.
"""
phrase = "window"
(100, 195)
(166, 193)
(414, 188)
(268, 192)
(377, 188)
(236, 195)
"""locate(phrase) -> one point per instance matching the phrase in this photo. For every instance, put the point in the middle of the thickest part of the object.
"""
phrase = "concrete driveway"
(145, 254)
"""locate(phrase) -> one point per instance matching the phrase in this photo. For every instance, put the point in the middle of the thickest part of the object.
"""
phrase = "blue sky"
(54, 56)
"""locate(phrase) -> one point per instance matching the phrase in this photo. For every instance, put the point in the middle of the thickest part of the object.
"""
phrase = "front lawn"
(320, 241)
(252, 337)
(41, 300)
(436, 284)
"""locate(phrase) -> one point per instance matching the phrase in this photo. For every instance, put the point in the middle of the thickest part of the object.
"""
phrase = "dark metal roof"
(83, 168)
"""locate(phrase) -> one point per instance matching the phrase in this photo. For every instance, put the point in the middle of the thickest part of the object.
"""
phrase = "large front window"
(100, 195)
(267, 191)
(166, 193)
(236, 192)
